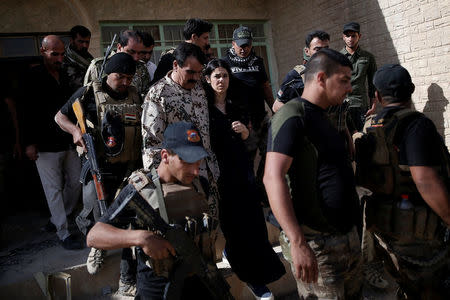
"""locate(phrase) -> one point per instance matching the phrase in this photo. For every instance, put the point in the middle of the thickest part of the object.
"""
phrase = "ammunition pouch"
(386, 218)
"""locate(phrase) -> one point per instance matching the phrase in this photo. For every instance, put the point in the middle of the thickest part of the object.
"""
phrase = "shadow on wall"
(329, 16)
(435, 107)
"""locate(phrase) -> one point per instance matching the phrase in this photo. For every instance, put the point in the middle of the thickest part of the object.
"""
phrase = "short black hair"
(147, 38)
(126, 35)
(79, 30)
(197, 27)
(326, 60)
(185, 50)
(320, 34)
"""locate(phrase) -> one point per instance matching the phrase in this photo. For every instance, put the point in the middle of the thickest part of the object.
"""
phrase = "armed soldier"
(134, 43)
(403, 160)
(113, 112)
(77, 58)
(175, 190)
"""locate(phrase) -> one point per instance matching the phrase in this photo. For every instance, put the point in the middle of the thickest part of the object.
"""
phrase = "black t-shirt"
(42, 97)
(419, 144)
(334, 174)
(247, 87)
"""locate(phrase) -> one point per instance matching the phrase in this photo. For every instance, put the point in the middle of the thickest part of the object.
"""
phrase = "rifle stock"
(188, 260)
(91, 164)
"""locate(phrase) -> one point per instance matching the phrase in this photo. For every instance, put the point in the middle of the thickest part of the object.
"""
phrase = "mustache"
(192, 81)
(207, 46)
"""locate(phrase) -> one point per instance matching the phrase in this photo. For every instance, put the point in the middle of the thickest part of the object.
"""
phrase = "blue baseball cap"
(184, 139)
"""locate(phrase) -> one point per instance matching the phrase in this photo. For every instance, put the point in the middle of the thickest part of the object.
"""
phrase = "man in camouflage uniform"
(196, 31)
(77, 58)
(405, 163)
(179, 96)
(131, 42)
(310, 186)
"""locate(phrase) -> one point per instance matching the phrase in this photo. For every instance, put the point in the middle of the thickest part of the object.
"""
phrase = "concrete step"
(25, 265)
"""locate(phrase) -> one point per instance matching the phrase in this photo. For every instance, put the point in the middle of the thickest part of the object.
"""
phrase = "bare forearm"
(433, 191)
(105, 236)
(280, 199)
(268, 94)
(65, 124)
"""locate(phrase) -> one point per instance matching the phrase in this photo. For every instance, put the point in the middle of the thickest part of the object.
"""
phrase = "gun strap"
(161, 204)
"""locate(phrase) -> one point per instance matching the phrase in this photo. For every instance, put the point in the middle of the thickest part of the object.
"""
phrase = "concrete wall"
(414, 33)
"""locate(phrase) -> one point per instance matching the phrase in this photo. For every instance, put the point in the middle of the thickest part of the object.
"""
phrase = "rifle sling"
(161, 204)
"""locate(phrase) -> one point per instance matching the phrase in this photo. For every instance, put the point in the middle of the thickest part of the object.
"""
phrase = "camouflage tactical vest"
(129, 110)
(179, 204)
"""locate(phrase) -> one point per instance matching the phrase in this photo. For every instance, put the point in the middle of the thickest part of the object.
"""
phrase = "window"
(168, 35)
(22, 45)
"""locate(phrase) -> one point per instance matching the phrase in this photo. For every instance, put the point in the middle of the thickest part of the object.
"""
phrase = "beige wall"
(414, 33)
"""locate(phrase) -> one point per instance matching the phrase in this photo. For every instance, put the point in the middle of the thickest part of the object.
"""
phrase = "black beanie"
(121, 63)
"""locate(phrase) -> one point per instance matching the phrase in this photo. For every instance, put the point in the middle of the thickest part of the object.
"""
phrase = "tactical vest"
(302, 178)
(129, 110)
(179, 204)
(379, 170)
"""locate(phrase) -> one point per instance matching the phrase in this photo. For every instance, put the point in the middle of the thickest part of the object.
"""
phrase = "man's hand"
(277, 105)
(31, 152)
(305, 263)
(373, 108)
(155, 246)
(78, 139)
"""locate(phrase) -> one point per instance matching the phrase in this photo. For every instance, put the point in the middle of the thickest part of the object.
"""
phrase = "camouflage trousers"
(339, 260)
(420, 267)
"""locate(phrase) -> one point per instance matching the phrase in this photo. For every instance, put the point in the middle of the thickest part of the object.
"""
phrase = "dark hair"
(126, 35)
(212, 65)
(197, 27)
(147, 38)
(79, 30)
(320, 34)
(326, 60)
(185, 50)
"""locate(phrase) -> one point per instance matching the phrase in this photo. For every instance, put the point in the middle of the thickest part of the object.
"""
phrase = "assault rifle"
(91, 163)
(108, 51)
(188, 259)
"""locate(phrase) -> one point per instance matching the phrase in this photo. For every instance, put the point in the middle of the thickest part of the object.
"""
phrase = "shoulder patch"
(300, 69)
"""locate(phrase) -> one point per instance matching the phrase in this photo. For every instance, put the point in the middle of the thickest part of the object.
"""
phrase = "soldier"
(196, 31)
(252, 92)
(292, 86)
(131, 42)
(45, 90)
(175, 179)
(405, 163)
(77, 58)
(318, 211)
(361, 100)
(179, 96)
(113, 110)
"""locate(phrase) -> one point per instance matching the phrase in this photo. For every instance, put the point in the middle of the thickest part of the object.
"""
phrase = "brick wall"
(414, 33)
